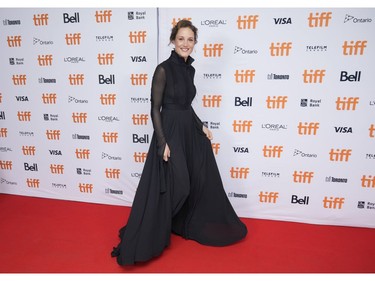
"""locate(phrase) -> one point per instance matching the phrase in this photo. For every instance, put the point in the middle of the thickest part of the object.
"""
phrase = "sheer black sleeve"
(157, 92)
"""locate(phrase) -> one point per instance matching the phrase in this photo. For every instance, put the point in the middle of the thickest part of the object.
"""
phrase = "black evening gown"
(185, 195)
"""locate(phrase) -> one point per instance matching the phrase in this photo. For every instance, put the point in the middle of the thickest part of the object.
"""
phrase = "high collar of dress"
(180, 60)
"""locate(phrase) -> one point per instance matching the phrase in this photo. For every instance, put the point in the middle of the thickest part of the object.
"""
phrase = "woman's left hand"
(208, 133)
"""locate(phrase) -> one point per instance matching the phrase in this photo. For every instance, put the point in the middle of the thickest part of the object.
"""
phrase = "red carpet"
(53, 236)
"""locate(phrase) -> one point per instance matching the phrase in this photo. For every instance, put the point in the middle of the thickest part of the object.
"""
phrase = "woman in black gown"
(180, 189)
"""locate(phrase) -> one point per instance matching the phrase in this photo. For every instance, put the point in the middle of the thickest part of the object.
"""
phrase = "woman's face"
(184, 42)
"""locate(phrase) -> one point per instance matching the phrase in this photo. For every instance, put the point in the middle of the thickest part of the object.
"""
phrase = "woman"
(180, 189)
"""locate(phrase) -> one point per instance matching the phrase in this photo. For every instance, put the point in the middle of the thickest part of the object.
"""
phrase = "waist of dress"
(174, 106)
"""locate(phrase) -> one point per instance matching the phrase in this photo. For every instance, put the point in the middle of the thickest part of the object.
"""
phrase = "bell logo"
(340, 155)
(272, 151)
(268, 197)
(6, 165)
(140, 157)
(368, 181)
(211, 101)
(85, 187)
(244, 76)
(239, 173)
(313, 76)
(82, 153)
(175, 21)
(108, 99)
(333, 202)
(49, 98)
(19, 80)
(103, 16)
(76, 79)
(302, 177)
(354, 49)
(280, 49)
(138, 79)
(140, 119)
(79, 117)
(106, 59)
(320, 19)
(372, 131)
(347, 103)
(14, 41)
(34, 183)
(276, 102)
(137, 37)
(57, 169)
(45, 60)
(212, 50)
(242, 126)
(308, 128)
(247, 22)
(73, 39)
(112, 173)
(40, 19)
(24, 116)
(3, 132)
(215, 148)
(53, 134)
(110, 137)
(28, 150)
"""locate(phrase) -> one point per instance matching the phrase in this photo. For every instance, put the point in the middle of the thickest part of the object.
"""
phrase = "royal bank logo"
(366, 205)
(136, 15)
(353, 19)
(212, 124)
(16, 61)
(310, 103)
(83, 171)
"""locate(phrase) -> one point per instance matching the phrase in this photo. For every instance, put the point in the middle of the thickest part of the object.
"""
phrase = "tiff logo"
(40, 19)
(333, 203)
(280, 49)
(354, 49)
(85, 187)
(82, 153)
(73, 39)
(24, 116)
(57, 169)
(140, 119)
(110, 137)
(215, 148)
(347, 103)
(372, 131)
(108, 99)
(112, 173)
(49, 98)
(340, 155)
(6, 165)
(247, 22)
(211, 101)
(272, 151)
(106, 59)
(14, 41)
(76, 79)
(276, 102)
(34, 183)
(313, 76)
(103, 16)
(53, 134)
(308, 128)
(79, 117)
(302, 177)
(137, 37)
(268, 197)
(138, 79)
(3, 132)
(319, 19)
(242, 126)
(368, 181)
(45, 60)
(239, 173)
(140, 157)
(28, 150)
(19, 80)
(213, 50)
(244, 76)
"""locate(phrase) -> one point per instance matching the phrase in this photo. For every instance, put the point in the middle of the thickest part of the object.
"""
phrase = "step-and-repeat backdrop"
(288, 93)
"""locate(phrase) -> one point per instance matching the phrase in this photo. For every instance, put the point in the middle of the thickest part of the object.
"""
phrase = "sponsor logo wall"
(288, 94)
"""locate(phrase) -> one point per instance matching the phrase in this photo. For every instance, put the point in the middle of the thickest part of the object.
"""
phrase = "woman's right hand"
(167, 153)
